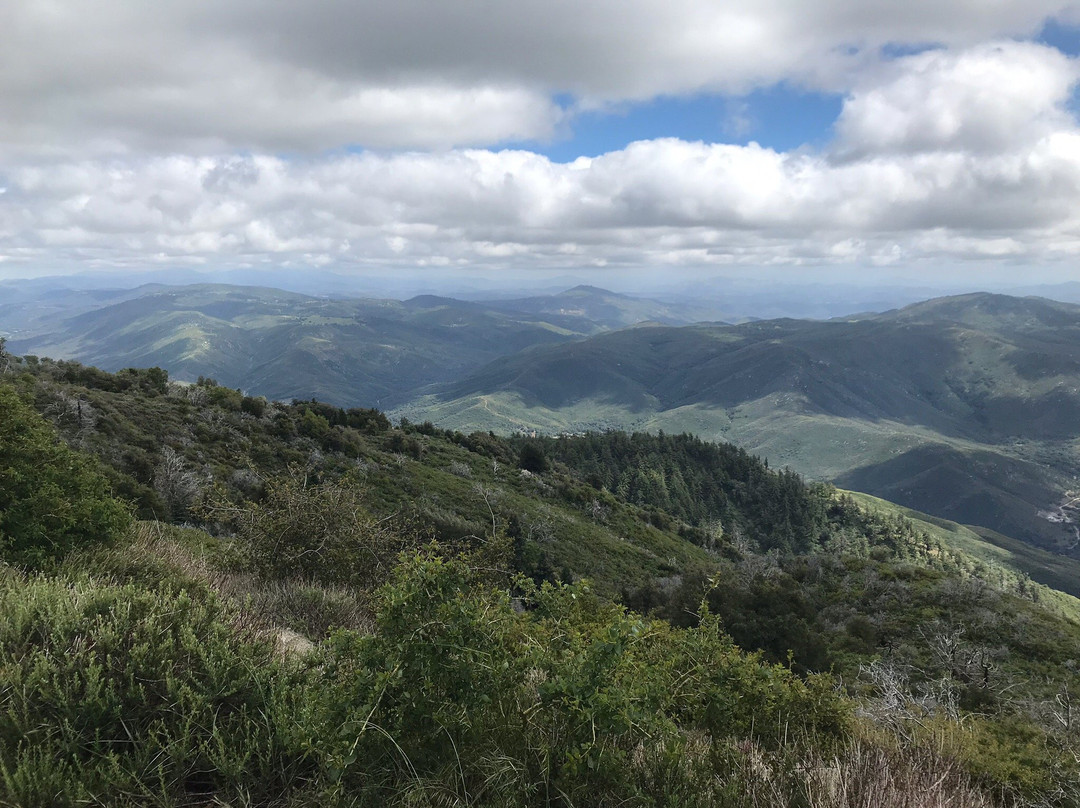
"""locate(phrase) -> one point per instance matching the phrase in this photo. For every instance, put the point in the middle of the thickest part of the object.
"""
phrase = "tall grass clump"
(313, 530)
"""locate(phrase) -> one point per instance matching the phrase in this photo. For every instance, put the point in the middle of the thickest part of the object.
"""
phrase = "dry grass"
(867, 776)
(716, 774)
(294, 613)
(862, 776)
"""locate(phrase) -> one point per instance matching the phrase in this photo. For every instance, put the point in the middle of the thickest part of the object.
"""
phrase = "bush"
(573, 697)
(253, 406)
(313, 531)
(52, 499)
(120, 696)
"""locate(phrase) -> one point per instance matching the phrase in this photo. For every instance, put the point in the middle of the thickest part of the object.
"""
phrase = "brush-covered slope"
(966, 407)
(252, 662)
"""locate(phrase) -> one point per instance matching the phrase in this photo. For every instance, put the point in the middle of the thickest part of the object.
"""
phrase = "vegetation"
(349, 612)
(458, 698)
(287, 345)
(965, 408)
(51, 498)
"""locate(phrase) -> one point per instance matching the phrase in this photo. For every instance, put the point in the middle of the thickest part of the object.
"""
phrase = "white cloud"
(217, 75)
(655, 202)
(987, 98)
(135, 134)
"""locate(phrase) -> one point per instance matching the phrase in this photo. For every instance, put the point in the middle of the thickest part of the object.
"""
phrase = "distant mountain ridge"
(612, 310)
(288, 345)
(965, 407)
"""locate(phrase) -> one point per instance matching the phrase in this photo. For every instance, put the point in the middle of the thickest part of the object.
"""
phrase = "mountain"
(350, 351)
(965, 407)
(287, 345)
(584, 307)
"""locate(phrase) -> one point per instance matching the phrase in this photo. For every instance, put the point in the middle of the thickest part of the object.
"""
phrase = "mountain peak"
(987, 309)
(585, 289)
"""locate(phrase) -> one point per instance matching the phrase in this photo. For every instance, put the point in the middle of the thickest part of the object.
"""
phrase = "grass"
(192, 558)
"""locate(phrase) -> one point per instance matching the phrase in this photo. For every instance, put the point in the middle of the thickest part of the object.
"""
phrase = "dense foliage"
(52, 499)
(110, 692)
(707, 485)
(498, 667)
(118, 694)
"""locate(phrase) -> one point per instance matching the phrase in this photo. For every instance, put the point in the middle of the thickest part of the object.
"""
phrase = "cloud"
(987, 98)
(217, 133)
(110, 76)
(654, 203)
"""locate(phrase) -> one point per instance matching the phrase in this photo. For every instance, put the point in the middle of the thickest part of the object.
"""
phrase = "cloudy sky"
(651, 135)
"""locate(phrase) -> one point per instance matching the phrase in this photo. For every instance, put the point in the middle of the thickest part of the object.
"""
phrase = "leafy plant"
(313, 530)
(52, 498)
(120, 695)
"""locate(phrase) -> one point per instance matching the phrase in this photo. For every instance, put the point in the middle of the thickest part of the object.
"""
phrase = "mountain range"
(964, 407)
(286, 345)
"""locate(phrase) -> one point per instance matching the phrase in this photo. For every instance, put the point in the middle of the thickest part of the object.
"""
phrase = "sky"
(839, 138)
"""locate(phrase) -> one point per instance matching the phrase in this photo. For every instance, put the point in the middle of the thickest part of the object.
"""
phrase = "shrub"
(52, 498)
(459, 693)
(313, 531)
(253, 406)
(135, 698)
(314, 425)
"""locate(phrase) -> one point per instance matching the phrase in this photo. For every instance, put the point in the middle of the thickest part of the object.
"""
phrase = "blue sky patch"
(1066, 38)
(780, 117)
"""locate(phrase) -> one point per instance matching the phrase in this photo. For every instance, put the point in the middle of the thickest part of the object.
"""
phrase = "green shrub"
(52, 498)
(460, 693)
(253, 406)
(313, 531)
(123, 696)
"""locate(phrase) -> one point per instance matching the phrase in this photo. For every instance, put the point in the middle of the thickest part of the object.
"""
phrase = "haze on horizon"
(636, 145)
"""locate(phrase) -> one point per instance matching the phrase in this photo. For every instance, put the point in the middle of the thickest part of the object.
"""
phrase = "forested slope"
(965, 408)
(498, 666)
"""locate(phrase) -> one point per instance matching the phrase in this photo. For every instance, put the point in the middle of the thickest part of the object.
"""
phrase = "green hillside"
(244, 657)
(284, 345)
(966, 408)
(1008, 555)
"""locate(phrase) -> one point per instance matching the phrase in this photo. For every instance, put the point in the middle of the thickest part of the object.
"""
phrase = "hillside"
(286, 345)
(582, 306)
(966, 407)
(295, 518)
(356, 352)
